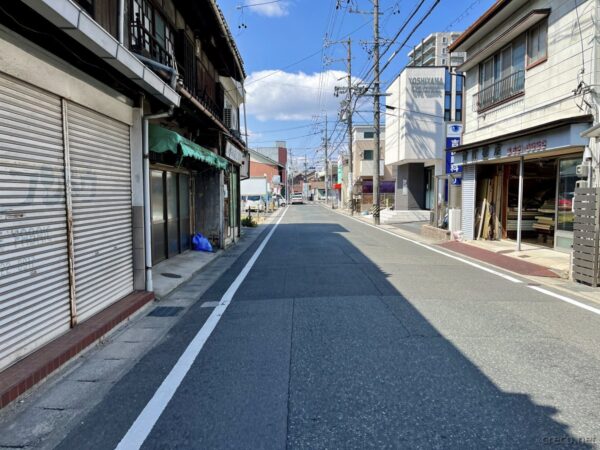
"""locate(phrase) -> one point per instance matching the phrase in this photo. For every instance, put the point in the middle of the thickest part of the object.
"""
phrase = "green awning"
(162, 140)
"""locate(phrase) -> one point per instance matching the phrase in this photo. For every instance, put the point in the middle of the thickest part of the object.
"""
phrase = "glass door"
(567, 178)
(184, 212)
(429, 188)
(159, 231)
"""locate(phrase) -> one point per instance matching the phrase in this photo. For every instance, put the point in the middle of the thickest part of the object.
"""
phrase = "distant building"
(279, 154)
(433, 51)
(274, 171)
(364, 167)
(422, 103)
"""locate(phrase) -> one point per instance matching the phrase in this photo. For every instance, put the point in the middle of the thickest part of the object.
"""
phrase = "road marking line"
(141, 428)
(428, 247)
(508, 277)
(565, 299)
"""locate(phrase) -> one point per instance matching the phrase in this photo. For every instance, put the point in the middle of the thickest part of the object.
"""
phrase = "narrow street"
(344, 336)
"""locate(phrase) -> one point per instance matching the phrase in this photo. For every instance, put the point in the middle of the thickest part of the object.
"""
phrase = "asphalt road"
(343, 336)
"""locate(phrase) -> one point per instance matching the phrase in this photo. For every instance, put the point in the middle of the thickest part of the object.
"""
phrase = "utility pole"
(326, 163)
(376, 113)
(291, 177)
(349, 118)
(349, 109)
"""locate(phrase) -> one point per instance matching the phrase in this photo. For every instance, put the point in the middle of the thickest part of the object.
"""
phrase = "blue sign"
(451, 166)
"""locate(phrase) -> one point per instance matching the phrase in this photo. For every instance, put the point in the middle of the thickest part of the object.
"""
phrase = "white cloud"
(277, 95)
(253, 134)
(278, 9)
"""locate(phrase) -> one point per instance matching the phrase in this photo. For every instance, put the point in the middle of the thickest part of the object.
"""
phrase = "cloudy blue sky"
(291, 75)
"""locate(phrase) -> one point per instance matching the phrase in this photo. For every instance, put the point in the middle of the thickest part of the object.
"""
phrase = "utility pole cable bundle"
(376, 114)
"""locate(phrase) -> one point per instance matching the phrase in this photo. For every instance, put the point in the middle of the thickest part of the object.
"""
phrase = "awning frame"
(163, 140)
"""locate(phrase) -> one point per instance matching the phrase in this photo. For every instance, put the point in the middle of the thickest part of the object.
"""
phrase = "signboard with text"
(453, 139)
(564, 137)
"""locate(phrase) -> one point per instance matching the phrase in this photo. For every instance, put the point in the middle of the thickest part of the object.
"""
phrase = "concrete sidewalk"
(173, 272)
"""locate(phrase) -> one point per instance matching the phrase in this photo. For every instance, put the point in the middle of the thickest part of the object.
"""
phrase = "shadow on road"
(320, 348)
(367, 369)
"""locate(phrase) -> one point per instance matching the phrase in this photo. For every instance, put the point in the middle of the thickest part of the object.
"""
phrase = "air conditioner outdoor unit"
(582, 170)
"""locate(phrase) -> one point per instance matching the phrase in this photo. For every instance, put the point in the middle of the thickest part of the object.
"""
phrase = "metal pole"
(326, 164)
(350, 154)
(520, 205)
(376, 113)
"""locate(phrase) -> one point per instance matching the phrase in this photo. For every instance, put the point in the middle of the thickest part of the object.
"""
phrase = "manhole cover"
(170, 275)
(533, 284)
(524, 256)
(165, 311)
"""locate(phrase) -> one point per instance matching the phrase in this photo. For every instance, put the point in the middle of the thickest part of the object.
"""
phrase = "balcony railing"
(144, 43)
(500, 91)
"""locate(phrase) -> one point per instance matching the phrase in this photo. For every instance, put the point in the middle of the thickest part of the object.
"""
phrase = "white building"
(528, 69)
(364, 166)
(433, 51)
(421, 102)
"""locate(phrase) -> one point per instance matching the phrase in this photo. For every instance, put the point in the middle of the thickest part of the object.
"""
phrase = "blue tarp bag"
(200, 243)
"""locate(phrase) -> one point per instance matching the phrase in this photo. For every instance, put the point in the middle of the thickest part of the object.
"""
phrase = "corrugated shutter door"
(101, 180)
(34, 280)
(468, 201)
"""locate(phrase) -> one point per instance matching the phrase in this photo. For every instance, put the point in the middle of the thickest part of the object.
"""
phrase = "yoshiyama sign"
(426, 87)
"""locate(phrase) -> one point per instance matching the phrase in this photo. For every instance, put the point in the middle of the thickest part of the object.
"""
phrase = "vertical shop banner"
(453, 139)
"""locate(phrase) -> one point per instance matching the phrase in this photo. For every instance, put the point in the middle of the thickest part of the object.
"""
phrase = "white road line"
(141, 428)
(507, 277)
(428, 247)
(566, 299)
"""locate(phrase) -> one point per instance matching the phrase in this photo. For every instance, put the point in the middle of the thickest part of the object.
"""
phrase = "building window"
(443, 61)
(368, 155)
(87, 6)
(369, 134)
(537, 43)
(151, 35)
(458, 99)
(448, 97)
(502, 75)
(444, 40)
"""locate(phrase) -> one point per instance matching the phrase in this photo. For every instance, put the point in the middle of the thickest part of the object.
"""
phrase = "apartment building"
(528, 104)
(433, 51)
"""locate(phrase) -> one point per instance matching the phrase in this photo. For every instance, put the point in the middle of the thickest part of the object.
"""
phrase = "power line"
(289, 128)
(257, 4)
(287, 139)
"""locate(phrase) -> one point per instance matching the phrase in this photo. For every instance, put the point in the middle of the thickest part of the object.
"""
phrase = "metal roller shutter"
(101, 192)
(468, 201)
(34, 272)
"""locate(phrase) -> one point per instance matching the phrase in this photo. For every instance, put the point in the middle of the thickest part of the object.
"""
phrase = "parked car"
(280, 200)
(253, 203)
(297, 198)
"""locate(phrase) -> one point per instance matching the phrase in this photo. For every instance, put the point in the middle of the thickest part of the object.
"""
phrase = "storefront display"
(546, 215)
(523, 187)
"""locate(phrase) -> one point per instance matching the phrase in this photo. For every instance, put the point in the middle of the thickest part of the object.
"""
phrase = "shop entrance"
(429, 187)
(548, 191)
(539, 201)
(170, 199)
